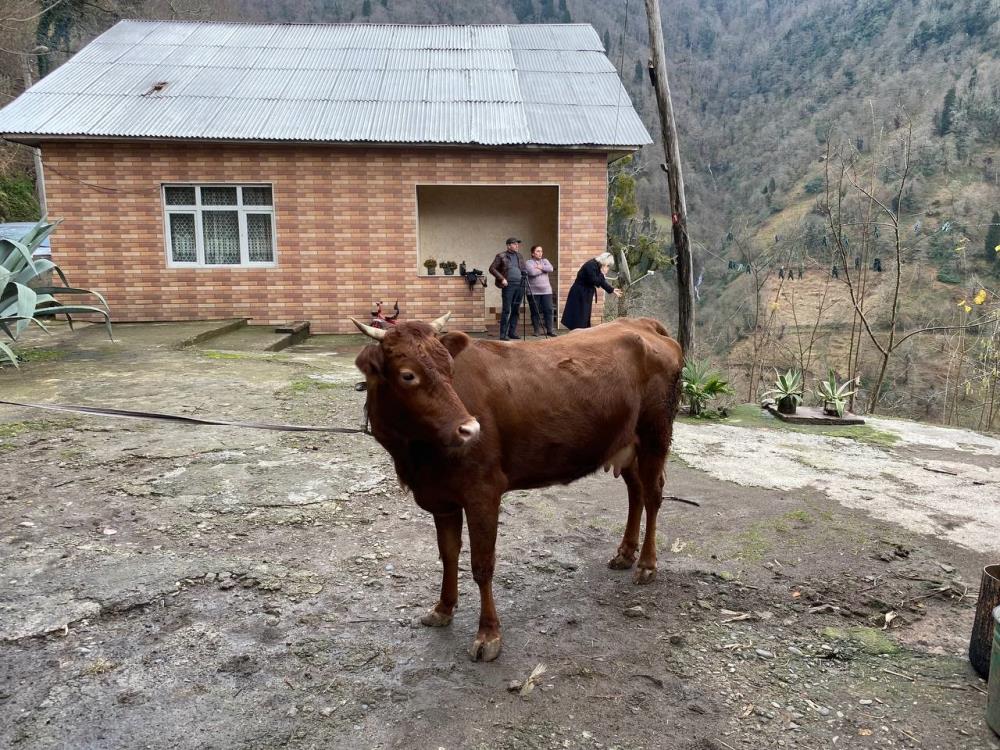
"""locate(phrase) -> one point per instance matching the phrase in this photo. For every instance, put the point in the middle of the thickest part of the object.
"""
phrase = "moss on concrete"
(870, 640)
(751, 415)
(39, 355)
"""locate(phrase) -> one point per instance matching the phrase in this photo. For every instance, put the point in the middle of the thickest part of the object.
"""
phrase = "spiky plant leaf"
(7, 352)
(20, 303)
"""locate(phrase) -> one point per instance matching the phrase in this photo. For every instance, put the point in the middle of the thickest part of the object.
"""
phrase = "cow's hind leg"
(625, 556)
(482, 523)
(449, 537)
(651, 476)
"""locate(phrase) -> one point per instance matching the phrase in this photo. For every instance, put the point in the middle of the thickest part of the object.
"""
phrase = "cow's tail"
(673, 405)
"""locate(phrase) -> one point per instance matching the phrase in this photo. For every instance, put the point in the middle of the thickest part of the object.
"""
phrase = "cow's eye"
(407, 376)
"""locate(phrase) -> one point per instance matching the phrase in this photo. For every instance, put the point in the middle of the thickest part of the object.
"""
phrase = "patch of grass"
(39, 355)
(751, 415)
(213, 354)
(753, 547)
(870, 640)
(11, 430)
(306, 384)
(801, 516)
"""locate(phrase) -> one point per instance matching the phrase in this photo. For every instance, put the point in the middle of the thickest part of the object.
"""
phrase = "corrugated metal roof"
(492, 85)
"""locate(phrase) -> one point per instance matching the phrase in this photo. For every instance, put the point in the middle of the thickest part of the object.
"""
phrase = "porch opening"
(470, 223)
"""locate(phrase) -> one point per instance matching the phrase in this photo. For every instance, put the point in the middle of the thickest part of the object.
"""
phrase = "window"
(219, 225)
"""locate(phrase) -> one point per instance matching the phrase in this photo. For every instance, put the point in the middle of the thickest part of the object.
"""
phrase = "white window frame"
(198, 208)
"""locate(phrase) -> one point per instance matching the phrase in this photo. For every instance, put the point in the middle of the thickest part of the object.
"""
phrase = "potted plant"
(833, 396)
(449, 267)
(430, 264)
(787, 391)
(700, 385)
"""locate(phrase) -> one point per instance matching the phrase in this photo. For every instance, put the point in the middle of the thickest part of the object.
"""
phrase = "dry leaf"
(865, 732)
(535, 676)
(678, 545)
(889, 617)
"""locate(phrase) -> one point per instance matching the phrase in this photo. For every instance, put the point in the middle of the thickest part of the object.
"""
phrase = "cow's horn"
(438, 325)
(375, 333)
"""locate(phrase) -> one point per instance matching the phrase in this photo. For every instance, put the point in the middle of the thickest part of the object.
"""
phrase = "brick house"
(300, 172)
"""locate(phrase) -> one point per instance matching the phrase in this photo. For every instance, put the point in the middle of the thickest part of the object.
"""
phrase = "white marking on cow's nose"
(469, 430)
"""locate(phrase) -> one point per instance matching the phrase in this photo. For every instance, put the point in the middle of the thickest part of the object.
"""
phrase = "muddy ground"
(218, 587)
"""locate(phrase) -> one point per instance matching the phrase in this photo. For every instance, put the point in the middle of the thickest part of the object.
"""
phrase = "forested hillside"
(773, 99)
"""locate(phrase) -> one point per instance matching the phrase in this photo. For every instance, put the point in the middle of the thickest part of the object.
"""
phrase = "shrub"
(814, 186)
(701, 385)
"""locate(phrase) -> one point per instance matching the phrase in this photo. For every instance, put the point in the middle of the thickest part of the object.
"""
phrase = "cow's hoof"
(621, 562)
(485, 649)
(435, 619)
(643, 576)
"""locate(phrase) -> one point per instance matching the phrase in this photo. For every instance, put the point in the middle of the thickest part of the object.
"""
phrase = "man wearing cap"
(508, 270)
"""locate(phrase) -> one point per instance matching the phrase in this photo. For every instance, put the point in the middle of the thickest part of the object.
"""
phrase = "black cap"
(512, 240)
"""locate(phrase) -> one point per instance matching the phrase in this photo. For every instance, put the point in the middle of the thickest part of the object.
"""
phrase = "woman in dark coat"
(576, 311)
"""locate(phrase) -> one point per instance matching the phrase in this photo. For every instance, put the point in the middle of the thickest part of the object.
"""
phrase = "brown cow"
(515, 416)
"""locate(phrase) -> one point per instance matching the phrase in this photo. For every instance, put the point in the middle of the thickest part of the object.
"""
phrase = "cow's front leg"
(482, 520)
(449, 537)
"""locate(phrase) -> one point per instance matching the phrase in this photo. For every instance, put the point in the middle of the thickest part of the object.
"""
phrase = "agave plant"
(25, 295)
(834, 396)
(787, 391)
(700, 385)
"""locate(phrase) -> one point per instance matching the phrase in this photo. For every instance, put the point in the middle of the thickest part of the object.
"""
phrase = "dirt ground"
(217, 587)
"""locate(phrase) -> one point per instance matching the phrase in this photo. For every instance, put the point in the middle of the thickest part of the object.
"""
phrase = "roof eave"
(37, 140)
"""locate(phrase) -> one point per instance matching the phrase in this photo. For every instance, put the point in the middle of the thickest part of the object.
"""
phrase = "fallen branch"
(899, 674)
(673, 499)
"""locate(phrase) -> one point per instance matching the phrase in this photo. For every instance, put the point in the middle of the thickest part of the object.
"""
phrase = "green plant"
(430, 263)
(17, 198)
(25, 293)
(837, 395)
(814, 186)
(787, 391)
(449, 265)
(700, 385)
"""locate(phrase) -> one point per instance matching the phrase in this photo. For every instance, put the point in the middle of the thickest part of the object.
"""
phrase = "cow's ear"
(370, 361)
(455, 342)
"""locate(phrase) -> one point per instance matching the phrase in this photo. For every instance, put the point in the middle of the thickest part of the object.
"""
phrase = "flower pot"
(830, 409)
(982, 628)
(993, 697)
(431, 271)
(786, 405)
(449, 272)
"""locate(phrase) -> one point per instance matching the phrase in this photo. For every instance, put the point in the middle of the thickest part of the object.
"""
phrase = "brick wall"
(346, 223)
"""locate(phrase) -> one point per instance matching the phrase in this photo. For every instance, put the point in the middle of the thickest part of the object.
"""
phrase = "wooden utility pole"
(35, 153)
(675, 179)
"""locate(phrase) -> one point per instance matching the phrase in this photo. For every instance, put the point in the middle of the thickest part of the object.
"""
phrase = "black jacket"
(498, 268)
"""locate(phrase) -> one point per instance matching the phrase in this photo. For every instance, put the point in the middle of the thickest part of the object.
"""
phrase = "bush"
(701, 385)
(947, 276)
(815, 186)
(17, 199)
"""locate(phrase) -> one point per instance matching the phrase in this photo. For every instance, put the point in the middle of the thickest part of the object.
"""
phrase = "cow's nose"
(468, 431)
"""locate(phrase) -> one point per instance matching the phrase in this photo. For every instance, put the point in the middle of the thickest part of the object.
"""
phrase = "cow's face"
(410, 393)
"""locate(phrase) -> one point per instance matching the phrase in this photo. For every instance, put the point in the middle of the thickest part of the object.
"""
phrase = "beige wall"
(346, 222)
(471, 223)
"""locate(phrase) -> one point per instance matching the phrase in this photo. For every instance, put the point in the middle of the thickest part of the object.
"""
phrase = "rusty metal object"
(982, 629)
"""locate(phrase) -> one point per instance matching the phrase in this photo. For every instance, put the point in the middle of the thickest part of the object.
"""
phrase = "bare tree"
(859, 205)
